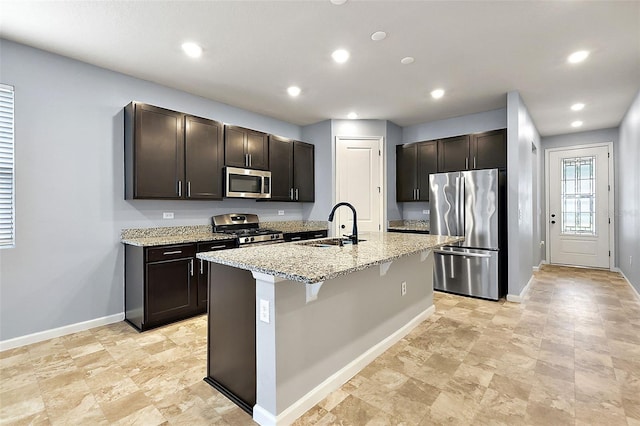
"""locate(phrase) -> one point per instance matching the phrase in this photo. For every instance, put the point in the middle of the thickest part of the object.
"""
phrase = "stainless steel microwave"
(247, 183)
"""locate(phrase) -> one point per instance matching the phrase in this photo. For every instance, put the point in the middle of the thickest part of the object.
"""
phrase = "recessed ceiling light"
(578, 56)
(338, 2)
(576, 123)
(407, 60)
(192, 49)
(437, 94)
(352, 116)
(378, 35)
(340, 56)
(577, 107)
(293, 91)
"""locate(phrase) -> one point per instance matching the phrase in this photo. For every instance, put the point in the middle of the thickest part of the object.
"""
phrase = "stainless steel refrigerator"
(470, 204)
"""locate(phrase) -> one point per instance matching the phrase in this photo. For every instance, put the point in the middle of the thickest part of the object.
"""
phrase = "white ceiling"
(253, 50)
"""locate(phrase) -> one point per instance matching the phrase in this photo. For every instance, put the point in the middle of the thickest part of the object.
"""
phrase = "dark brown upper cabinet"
(171, 155)
(453, 154)
(489, 150)
(246, 148)
(292, 170)
(414, 163)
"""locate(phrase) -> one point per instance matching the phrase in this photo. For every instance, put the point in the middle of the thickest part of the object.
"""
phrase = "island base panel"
(231, 360)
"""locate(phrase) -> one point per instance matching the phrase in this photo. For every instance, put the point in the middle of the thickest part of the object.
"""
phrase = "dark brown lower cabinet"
(305, 235)
(164, 284)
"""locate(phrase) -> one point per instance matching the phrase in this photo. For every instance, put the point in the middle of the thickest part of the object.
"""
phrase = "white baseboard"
(537, 268)
(518, 298)
(340, 377)
(618, 270)
(58, 332)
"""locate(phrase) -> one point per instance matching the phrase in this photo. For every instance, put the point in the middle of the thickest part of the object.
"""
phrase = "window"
(7, 175)
(579, 195)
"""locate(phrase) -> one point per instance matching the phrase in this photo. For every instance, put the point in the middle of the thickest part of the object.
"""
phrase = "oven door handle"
(460, 253)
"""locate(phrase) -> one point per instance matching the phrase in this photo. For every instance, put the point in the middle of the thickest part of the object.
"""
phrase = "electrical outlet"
(280, 212)
(264, 310)
(403, 288)
(630, 260)
(425, 211)
(167, 215)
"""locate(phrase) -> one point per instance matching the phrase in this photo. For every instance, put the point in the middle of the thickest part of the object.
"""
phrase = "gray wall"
(580, 138)
(394, 137)
(466, 124)
(67, 266)
(319, 134)
(628, 154)
(523, 141)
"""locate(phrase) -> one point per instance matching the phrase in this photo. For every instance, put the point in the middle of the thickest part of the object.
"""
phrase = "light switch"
(167, 215)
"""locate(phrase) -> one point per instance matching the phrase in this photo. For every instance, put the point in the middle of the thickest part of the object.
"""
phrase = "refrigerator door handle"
(461, 206)
(459, 253)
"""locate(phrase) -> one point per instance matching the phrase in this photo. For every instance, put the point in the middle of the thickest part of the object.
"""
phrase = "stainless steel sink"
(327, 242)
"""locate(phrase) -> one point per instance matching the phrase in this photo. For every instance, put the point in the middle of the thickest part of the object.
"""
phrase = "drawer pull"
(166, 253)
(296, 238)
(217, 247)
(318, 235)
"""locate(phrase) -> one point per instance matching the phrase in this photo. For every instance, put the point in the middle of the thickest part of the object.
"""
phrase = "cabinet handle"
(318, 235)
(466, 163)
(249, 160)
(217, 247)
(191, 266)
(166, 253)
(189, 189)
(297, 198)
(296, 238)
(418, 192)
(474, 161)
(201, 267)
(291, 194)
(179, 188)
(246, 160)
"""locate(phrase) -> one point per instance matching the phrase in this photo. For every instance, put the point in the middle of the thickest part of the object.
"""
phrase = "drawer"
(217, 245)
(177, 251)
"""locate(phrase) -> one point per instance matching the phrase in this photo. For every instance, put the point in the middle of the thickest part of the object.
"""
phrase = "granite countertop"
(148, 237)
(408, 225)
(307, 264)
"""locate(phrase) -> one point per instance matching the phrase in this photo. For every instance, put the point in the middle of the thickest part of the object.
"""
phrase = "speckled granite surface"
(147, 237)
(295, 225)
(298, 262)
(409, 225)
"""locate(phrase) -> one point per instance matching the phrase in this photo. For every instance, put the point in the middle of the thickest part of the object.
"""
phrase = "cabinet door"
(158, 153)
(202, 269)
(281, 165)
(171, 291)
(303, 171)
(258, 149)
(489, 150)
(427, 164)
(234, 146)
(406, 172)
(203, 156)
(454, 154)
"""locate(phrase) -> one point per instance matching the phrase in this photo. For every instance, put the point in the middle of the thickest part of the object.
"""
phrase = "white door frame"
(611, 201)
(383, 177)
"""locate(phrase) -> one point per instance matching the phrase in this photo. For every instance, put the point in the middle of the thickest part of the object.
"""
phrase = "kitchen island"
(316, 313)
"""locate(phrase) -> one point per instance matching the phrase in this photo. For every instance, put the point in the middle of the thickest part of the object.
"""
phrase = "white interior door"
(578, 207)
(359, 182)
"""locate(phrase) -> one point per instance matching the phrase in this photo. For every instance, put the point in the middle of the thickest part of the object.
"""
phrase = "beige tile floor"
(570, 354)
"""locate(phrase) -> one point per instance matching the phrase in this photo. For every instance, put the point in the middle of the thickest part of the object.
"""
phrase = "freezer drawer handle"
(457, 253)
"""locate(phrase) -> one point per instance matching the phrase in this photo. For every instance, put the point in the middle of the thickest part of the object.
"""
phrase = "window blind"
(7, 175)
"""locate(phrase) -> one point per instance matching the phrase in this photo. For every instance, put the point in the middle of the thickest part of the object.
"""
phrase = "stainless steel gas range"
(246, 228)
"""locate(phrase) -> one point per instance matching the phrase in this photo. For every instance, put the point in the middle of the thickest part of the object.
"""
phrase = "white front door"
(579, 206)
(359, 182)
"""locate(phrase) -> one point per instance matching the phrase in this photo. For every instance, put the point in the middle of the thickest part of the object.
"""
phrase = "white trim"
(618, 270)
(518, 298)
(383, 176)
(333, 382)
(537, 268)
(60, 331)
(611, 206)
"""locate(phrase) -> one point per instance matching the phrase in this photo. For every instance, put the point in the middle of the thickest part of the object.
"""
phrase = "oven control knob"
(251, 239)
